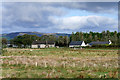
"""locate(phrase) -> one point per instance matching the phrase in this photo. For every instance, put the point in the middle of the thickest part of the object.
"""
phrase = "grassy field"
(59, 63)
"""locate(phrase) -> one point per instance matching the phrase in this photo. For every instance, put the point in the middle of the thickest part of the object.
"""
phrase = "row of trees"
(95, 36)
(27, 40)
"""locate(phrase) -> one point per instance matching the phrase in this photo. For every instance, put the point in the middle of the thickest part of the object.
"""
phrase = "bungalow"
(11, 45)
(77, 44)
(8, 44)
(42, 44)
(100, 43)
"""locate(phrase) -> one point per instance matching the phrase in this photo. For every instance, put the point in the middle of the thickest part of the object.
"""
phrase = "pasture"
(59, 63)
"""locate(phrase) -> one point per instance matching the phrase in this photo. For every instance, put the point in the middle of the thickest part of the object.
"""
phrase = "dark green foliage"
(4, 42)
(95, 36)
(27, 40)
(62, 41)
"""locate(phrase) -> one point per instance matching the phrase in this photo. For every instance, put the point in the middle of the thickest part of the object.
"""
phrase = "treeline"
(27, 40)
(95, 36)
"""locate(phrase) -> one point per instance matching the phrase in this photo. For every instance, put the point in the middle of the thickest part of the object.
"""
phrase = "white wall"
(42, 45)
(74, 45)
(15, 46)
(34, 46)
(51, 45)
(110, 42)
(83, 44)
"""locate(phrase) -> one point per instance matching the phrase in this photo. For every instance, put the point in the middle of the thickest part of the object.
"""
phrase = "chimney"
(110, 42)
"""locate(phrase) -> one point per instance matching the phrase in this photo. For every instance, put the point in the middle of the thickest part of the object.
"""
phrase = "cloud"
(50, 17)
(28, 15)
(85, 22)
(0, 18)
(96, 7)
(60, 1)
(119, 17)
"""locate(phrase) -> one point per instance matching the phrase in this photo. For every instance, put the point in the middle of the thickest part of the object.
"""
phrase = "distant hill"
(12, 35)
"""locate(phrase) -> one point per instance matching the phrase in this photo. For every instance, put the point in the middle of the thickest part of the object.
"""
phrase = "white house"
(11, 45)
(43, 44)
(100, 43)
(77, 44)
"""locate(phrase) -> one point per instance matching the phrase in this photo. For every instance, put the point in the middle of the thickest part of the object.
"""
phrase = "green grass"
(59, 63)
(103, 49)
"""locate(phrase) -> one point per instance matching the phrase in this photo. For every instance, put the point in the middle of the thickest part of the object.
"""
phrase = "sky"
(59, 17)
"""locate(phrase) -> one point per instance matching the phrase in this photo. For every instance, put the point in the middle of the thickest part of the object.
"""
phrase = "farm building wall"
(34, 46)
(42, 46)
(51, 45)
(74, 45)
(110, 42)
(14, 46)
(83, 44)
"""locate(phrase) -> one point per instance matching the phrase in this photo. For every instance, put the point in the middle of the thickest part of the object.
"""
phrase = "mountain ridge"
(14, 34)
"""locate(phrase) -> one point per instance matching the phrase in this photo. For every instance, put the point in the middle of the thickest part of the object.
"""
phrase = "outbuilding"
(77, 44)
(42, 44)
(100, 43)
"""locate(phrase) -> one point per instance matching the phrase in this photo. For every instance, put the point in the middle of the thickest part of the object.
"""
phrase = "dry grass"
(59, 63)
